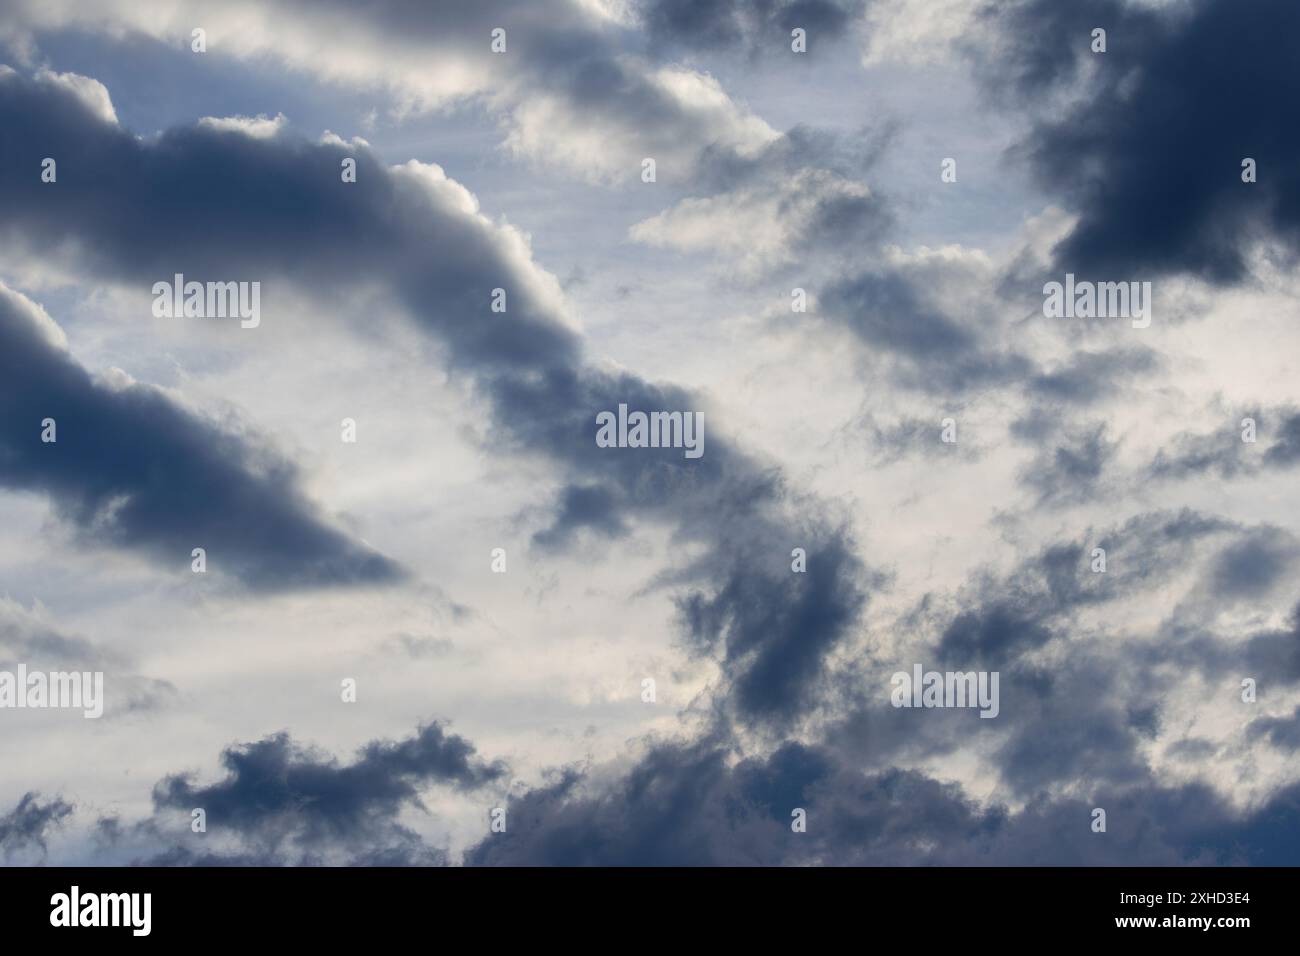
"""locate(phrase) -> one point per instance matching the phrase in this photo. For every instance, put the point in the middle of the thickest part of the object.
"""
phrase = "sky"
(367, 586)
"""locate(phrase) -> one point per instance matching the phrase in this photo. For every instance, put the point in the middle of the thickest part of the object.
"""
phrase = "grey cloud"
(287, 803)
(1192, 749)
(1072, 467)
(132, 468)
(776, 627)
(583, 506)
(1077, 703)
(25, 640)
(908, 436)
(750, 25)
(1223, 452)
(1249, 567)
(1133, 152)
(687, 805)
(23, 830)
(891, 314)
(1282, 732)
(1269, 655)
(1088, 377)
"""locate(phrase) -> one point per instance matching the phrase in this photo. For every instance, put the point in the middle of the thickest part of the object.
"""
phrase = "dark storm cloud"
(688, 805)
(752, 25)
(274, 777)
(1150, 157)
(775, 634)
(132, 468)
(287, 803)
(275, 209)
(404, 848)
(24, 828)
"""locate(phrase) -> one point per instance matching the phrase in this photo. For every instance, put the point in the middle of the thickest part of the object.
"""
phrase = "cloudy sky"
(648, 671)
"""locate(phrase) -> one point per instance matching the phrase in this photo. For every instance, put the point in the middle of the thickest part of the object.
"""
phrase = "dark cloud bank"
(1071, 737)
(1151, 155)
